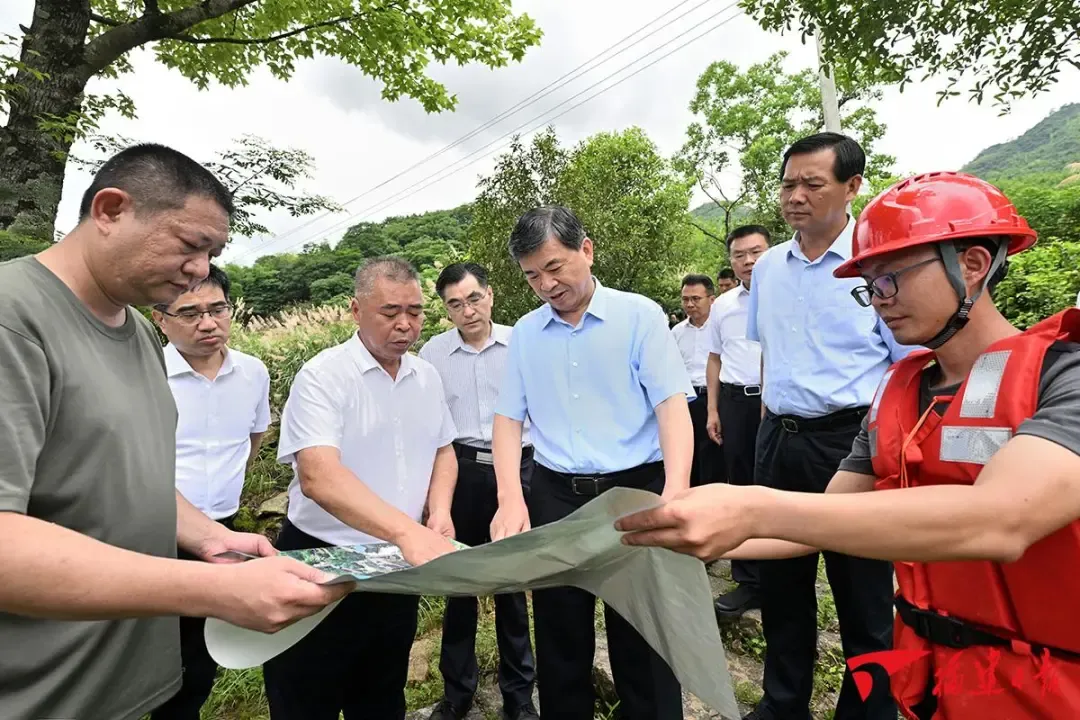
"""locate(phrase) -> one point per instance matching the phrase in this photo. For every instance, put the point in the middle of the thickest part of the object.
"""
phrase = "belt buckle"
(585, 479)
(751, 390)
(485, 457)
(942, 629)
(790, 425)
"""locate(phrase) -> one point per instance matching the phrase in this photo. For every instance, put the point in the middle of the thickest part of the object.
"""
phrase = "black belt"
(838, 419)
(958, 634)
(596, 484)
(741, 390)
(485, 457)
(701, 390)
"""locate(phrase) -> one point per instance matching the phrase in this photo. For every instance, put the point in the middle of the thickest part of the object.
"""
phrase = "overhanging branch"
(102, 20)
(262, 41)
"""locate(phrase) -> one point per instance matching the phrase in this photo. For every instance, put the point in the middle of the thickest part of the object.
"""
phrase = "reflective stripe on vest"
(972, 444)
(877, 395)
(981, 393)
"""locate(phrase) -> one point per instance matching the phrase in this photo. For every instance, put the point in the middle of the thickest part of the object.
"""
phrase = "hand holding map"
(664, 595)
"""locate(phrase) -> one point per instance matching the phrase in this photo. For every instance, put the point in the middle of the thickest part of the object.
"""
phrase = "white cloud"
(358, 140)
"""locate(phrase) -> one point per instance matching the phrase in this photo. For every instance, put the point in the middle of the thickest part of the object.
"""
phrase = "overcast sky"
(359, 141)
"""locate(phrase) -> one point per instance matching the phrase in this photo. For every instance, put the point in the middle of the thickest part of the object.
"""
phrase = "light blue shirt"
(823, 351)
(590, 390)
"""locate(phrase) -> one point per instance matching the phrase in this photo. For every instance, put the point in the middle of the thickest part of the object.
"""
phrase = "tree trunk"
(32, 162)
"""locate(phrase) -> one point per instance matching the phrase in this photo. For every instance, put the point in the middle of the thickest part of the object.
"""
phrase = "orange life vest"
(983, 640)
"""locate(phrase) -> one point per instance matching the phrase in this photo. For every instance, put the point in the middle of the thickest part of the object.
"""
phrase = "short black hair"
(705, 280)
(217, 278)
(850, 158)
(534, 228)
(746, 231)
(157, 178)
(725, 273)
(456, 272)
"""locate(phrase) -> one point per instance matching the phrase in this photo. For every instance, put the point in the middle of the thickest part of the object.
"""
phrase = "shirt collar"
(366, 361)
(598, 306)
(841, 246)
(176, 364)
(500, 334)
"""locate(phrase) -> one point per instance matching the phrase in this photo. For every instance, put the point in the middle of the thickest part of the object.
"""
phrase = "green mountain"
(1046, 151)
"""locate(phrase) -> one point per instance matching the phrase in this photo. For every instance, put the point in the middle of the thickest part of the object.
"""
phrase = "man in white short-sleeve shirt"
(692, 337)
(369, 434)
(223, 408)
(734, 370)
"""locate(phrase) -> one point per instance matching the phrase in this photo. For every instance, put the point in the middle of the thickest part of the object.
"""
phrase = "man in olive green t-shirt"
(90, 589)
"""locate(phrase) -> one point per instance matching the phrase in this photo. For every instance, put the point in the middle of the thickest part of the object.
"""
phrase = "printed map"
(360, 561)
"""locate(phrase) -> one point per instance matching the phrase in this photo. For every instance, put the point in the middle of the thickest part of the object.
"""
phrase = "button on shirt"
(590, 390)
(215, 421)
(693, 345)
(387, 431)
(471, 378)
(823, 351)
(740, 358)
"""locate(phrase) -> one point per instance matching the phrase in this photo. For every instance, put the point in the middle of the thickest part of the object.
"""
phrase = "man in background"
(600, 379)
(734, 412)
(725, 280)
(470, 359)
(368, 433)
(692, 337)
(223, 403)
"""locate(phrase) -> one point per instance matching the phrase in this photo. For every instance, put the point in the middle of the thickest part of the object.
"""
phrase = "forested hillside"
(1042, 153)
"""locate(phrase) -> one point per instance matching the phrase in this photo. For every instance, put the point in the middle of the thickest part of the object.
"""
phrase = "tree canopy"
(1006, 48)
(42, 85)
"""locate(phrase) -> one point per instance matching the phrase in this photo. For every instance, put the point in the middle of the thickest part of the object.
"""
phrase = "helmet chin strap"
(947, 251)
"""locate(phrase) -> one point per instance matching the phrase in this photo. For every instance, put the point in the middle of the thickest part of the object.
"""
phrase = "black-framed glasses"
(884, 286)
(192, 317)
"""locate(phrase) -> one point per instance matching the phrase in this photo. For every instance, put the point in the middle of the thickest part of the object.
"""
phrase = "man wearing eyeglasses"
(692, 337)
(223, 408)
(470, 360)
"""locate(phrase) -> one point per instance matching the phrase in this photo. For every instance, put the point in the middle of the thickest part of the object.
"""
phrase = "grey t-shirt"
(1056, 418)
(87, 441)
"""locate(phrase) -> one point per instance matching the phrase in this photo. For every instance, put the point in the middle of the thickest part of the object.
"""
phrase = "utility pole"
(829, 104)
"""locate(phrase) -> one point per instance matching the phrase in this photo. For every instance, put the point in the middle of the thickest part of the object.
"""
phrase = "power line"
(424, 182)
(548, 89)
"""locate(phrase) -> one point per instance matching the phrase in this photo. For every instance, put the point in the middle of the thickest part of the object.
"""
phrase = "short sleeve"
(752, 304)
(312, 416)
(262, 412)
(716, 340)
(512, 402)
(661, 369)
(24, 397)
(447, 428)
(1057, 415)
(859, 460)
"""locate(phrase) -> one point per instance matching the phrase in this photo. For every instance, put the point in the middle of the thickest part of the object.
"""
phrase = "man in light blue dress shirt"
(600, 378)
(823, 356)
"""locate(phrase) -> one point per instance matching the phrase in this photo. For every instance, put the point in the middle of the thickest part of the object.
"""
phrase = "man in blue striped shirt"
(601, 380)
(470, 358)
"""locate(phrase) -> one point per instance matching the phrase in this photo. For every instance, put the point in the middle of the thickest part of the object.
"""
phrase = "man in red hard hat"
(973, 450)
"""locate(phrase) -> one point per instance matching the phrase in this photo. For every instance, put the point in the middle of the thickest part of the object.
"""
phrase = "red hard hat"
(931, 208)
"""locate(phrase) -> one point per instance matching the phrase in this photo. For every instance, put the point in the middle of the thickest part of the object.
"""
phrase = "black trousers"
(708, 464)
(474, 505)
(200, 670)
(356, 661)
(564, 619)
(802, 456)
(740, 416)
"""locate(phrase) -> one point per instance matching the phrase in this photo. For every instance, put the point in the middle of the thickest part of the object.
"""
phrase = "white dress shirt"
(215, 421)
(471, 379)
(693, 344)
(740, 358)
(387, 431)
